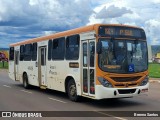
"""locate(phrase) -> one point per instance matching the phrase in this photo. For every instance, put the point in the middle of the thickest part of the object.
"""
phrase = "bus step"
(43, 87)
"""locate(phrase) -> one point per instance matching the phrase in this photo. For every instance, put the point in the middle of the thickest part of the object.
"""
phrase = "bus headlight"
(105, 82)
(145, 81)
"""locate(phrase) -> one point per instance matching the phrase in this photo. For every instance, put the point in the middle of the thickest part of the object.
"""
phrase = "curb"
(154, 81)
(3, 70)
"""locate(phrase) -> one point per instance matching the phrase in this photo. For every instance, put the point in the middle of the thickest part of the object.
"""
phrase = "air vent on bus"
(126, 91)
(124, 85)
(125, 79)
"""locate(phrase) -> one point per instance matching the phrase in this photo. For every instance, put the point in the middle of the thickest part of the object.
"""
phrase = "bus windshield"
(123, 56)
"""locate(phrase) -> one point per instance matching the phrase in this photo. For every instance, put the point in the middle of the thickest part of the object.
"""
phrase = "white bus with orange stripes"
(98, 61)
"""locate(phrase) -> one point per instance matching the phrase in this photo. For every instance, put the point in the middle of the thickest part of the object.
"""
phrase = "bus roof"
(66, 33)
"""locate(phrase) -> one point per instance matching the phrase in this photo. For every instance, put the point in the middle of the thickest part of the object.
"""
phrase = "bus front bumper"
(103, 92)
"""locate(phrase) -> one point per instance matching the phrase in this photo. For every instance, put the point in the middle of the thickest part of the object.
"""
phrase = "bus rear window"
(11, 53)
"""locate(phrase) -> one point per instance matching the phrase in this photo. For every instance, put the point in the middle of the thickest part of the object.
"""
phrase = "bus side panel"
(58, 71)
(30, 68)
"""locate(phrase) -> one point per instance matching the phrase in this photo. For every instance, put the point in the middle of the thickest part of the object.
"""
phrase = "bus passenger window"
(22, 52)
(49, 49)
(28, 52)
(58, 49)
(34, 52)
(11, 53)
(72, 47)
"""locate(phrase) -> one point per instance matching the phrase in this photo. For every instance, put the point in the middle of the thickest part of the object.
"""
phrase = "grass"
(154, 70)
(5, 65)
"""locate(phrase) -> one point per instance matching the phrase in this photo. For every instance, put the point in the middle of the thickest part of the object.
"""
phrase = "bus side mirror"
(99, 47)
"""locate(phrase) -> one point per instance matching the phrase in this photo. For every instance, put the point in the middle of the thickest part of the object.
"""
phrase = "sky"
(26, 19)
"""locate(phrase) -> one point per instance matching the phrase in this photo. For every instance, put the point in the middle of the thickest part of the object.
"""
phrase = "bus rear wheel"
(25, 81)
(72, 91)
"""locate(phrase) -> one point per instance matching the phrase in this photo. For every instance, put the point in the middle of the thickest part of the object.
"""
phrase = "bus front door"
(42, 67)
(16, 65)
(88, 67)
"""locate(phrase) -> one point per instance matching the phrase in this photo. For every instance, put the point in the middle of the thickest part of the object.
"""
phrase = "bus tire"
(72, 91)
(25, 81)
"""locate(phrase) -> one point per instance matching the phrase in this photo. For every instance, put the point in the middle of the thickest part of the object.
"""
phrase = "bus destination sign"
(125, 32)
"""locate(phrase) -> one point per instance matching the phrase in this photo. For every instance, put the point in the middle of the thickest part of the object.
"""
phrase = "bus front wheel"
(25, 81)
(72, 91)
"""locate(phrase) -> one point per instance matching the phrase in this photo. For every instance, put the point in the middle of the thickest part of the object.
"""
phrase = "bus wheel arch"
(70, 88)
(25, 80)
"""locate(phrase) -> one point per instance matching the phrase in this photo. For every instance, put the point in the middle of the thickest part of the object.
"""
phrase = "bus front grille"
(125, 79)
(126, 91)
(124, 85)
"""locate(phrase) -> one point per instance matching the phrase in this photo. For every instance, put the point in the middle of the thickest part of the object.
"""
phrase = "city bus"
(97, 61)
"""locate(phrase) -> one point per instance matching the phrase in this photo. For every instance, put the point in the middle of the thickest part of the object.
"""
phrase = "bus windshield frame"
(124, 49)
(123, 56)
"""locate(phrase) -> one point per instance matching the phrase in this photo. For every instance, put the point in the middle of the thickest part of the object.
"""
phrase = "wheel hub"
(72, 90)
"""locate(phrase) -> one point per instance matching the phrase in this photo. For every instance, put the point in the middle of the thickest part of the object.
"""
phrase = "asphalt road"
(13, 97)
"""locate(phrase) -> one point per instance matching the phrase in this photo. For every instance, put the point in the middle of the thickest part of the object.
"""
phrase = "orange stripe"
(56, 35)
(67, 33)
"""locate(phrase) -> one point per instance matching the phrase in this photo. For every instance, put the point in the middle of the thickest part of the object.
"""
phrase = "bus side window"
(58, 49)
(28, 52)
(11, 53)
(49, 49)
(72, 47)
(34, 52)
(22, 52)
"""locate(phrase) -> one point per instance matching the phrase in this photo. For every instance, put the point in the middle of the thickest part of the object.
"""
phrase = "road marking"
(7, 86)
(26, 91)
(57, 100)
(119, 118)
